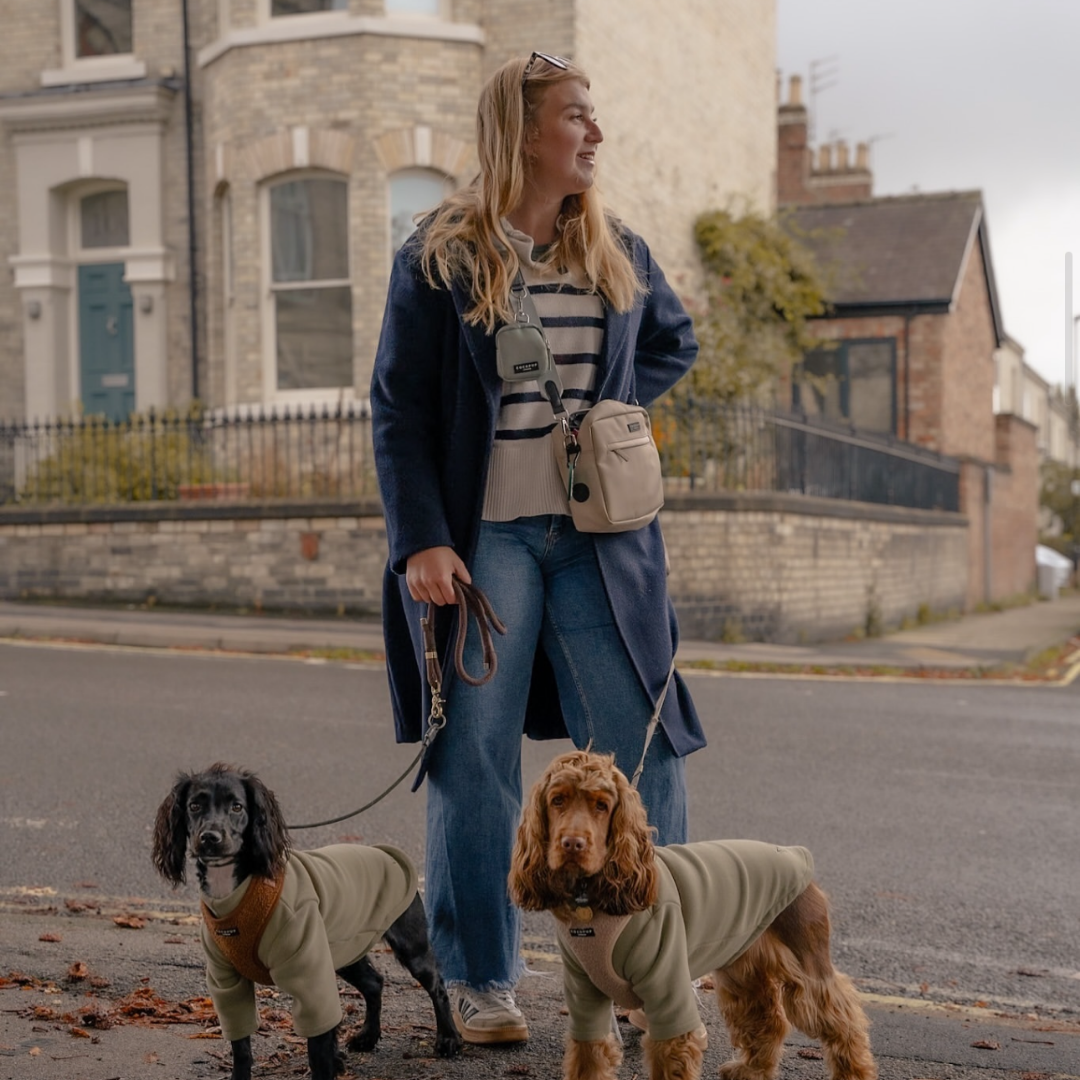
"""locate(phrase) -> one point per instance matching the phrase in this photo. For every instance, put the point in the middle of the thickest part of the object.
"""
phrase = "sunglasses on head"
(555, 61)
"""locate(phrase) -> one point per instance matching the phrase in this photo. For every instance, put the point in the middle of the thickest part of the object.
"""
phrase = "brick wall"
(770, 567)
(967, 368)
(1015, 507)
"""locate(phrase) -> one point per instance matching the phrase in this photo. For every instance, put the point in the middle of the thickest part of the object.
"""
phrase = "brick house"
(202, 197)
(913, 329)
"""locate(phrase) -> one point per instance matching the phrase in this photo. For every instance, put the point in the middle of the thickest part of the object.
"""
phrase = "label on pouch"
(582, 931)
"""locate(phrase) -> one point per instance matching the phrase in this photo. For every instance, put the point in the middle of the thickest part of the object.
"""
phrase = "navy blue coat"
(434, 400)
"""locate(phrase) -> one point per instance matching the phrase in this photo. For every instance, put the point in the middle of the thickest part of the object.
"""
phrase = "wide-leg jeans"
(543, 580)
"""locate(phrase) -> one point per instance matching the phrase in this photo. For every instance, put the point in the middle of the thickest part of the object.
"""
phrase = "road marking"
(37, 823)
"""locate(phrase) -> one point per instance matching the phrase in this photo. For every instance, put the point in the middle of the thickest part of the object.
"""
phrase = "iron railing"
(707, 446)
(255, 454)
(326, 453)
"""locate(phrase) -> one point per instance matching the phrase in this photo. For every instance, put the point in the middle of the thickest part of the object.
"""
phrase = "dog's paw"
(365, 1040)
(738, 1070)
(448, 1045)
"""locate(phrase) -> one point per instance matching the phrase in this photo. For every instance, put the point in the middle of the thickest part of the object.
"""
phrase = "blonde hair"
(464, 240)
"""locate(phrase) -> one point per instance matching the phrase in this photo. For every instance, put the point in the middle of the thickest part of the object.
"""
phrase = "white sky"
(959, 95)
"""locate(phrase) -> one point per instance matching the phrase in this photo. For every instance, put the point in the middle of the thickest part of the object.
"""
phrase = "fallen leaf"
(131, 922)
(99, 982)
(79, 1033)
(811, 1055)
(985, 1044)
(50, 937)
(35, 1051)
(78, 971)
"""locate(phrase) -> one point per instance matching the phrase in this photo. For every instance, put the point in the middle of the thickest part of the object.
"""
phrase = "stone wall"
(765, 567)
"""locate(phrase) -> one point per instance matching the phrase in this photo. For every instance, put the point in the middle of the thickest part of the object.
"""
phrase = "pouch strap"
(551, 384)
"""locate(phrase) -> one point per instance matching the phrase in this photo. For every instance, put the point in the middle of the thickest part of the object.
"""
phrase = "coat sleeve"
(233, 995)
(406, 409)
(658, 969)
(302, 965)
(666, 347)
(589, 1008)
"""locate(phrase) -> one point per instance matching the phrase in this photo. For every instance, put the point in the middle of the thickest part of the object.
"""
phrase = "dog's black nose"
(209, 840)
(574, 843)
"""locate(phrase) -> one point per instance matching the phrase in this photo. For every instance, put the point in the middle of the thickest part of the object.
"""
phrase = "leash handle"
(470, 601)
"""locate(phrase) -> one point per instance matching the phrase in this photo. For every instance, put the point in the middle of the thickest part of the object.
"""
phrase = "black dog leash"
(470, 600)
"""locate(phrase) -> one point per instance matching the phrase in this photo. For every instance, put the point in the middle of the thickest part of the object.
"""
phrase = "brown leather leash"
(470, 601)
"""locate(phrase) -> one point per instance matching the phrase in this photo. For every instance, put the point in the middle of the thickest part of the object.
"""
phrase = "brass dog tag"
(583, 914)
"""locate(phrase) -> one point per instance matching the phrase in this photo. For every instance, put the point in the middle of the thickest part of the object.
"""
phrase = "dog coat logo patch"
(230, 931)
(582, 931)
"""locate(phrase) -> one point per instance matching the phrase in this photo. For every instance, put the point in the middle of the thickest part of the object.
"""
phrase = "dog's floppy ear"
(628, 880)
(171, 833)
(530, 879)
(268, 845)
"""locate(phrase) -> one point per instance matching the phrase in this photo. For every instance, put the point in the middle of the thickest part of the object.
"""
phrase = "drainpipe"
(189, 136)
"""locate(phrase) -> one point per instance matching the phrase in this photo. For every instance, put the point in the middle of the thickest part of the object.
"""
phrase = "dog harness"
(239, 933)
(591, 941)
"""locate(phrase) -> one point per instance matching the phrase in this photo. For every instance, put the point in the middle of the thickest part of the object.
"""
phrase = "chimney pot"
(825, 158)
(795, 90)
(841, 157)
(862, 157)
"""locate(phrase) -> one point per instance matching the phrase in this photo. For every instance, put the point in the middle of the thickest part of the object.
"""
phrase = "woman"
(471, 488)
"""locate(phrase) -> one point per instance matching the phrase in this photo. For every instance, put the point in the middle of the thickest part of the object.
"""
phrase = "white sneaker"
(488, 1017)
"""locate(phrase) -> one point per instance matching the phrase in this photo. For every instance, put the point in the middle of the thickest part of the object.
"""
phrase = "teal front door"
(106, 342)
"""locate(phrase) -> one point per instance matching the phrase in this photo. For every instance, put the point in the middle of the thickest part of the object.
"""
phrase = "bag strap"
(551, 384)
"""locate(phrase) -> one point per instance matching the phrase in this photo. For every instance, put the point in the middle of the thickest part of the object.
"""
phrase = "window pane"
(414, 7)
(314, 338)
(870, 376)
(102, 27)
(819, 389)
(309, 230)
(304, 7)
(105, 220)
(410, 195)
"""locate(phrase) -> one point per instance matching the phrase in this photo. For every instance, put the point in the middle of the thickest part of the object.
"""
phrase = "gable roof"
(906, 251)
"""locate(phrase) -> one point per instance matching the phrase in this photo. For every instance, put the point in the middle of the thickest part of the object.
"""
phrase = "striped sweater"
(523, 477)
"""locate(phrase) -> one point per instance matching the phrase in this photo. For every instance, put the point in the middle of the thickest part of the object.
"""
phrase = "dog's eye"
(238, 807)
(558, 800)
(602, 805)
(195, 807)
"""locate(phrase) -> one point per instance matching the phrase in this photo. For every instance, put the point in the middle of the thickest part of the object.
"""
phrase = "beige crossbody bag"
(607, 453)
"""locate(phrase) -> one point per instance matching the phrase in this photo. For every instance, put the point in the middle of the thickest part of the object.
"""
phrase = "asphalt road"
(943, 818)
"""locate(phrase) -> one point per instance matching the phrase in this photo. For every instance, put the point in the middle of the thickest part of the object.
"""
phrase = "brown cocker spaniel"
(637, 924)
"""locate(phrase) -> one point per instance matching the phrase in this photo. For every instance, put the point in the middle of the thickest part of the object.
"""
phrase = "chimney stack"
(841, 156)
(862, 157)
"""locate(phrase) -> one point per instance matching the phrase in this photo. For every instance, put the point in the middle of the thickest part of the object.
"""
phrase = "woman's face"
(560, 148)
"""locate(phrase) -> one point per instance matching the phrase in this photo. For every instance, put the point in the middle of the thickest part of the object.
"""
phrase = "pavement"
(994, 639)
(86, 997)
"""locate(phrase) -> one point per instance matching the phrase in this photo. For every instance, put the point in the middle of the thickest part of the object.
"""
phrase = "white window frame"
(84, 69)
(272, 394)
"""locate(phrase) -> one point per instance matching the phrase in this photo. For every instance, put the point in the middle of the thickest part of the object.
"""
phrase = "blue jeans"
(543, 580)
